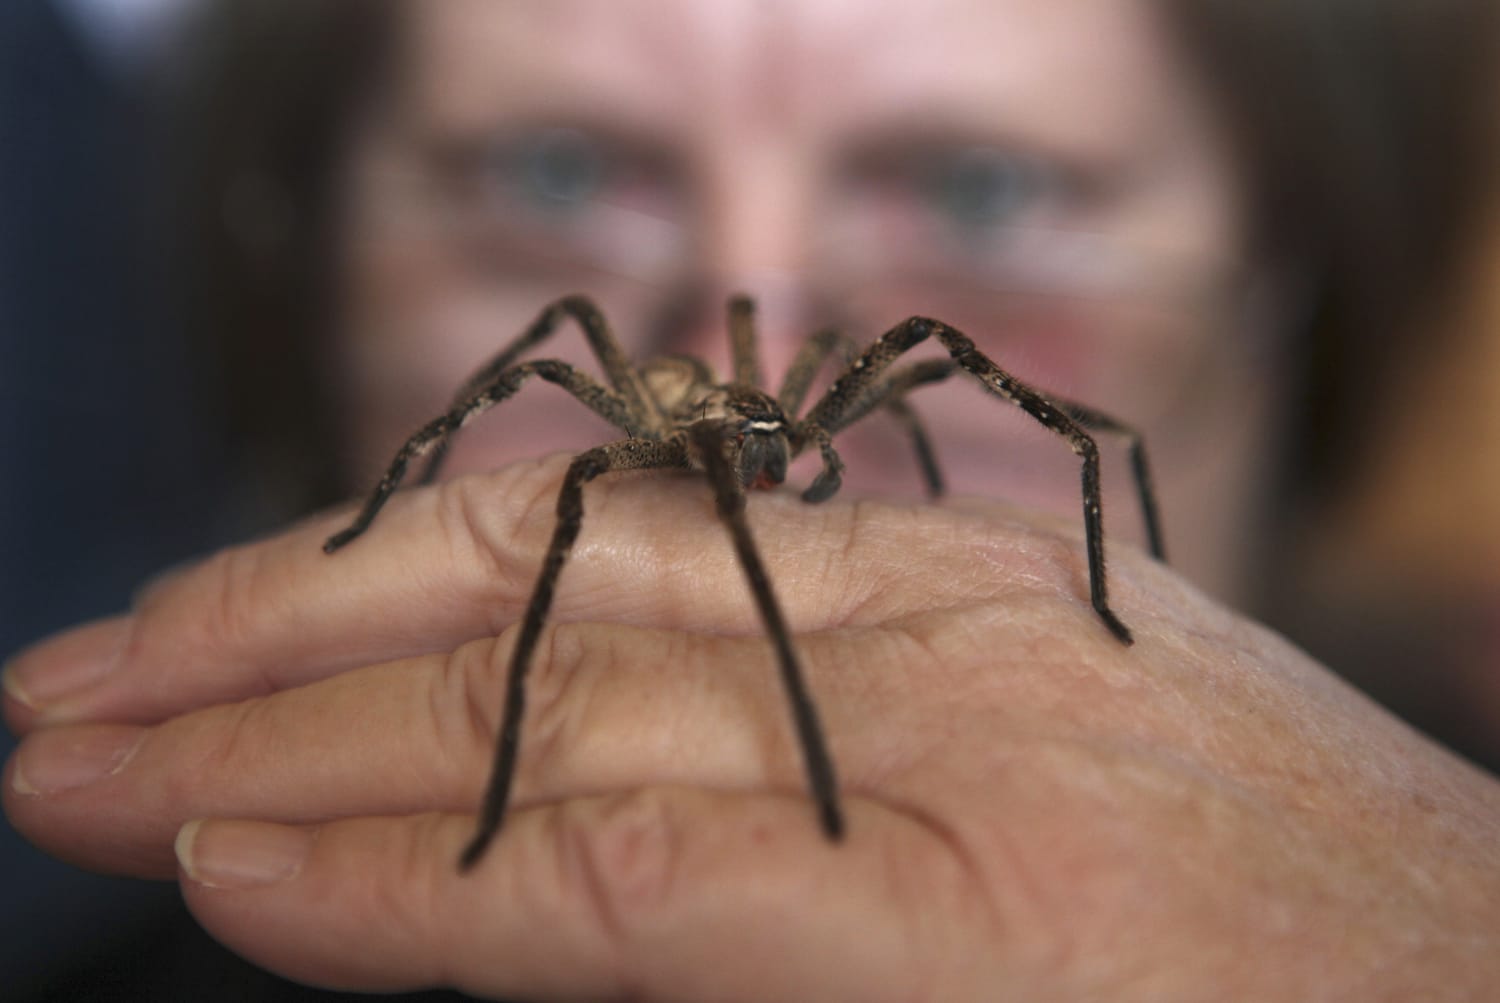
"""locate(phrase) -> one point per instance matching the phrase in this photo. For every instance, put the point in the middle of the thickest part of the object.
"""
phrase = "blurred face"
(1041, 174)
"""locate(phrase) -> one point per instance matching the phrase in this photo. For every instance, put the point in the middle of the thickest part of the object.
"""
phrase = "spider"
(675, 415)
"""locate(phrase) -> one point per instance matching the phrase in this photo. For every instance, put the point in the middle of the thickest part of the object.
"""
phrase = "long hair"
(1369, 133)
(263, 101)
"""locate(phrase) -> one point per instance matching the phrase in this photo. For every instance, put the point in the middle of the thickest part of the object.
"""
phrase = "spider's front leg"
(888, 393)
(850, 395)
(627, 454)
(1140, 468)
(711, 447)
(435, 434)
(623, 377)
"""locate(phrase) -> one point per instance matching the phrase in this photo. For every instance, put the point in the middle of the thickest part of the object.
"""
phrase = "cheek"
(404, 339)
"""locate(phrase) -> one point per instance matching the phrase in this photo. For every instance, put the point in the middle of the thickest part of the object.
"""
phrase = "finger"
(609, 708)
(276, 613)
(446, 565)
(660, 894)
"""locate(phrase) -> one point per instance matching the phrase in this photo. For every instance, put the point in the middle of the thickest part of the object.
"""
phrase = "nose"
(787, 310)
(754, 217)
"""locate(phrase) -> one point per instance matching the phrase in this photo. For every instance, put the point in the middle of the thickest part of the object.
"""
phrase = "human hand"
(1035, 811)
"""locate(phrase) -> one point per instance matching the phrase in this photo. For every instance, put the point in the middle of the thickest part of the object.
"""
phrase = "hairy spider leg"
(622, 375)
(888, 394)
(847, 393)
(814, 352)
(658, 442)
(1140, 468)
(743, 345)
(626, 454)
(891, 394)
(709, 442)
(599, 399)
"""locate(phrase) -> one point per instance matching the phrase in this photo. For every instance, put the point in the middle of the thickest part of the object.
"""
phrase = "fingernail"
(65, 759)
(67, 664)
(236, 855)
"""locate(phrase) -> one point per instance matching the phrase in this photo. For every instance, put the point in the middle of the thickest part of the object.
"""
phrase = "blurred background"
(246, 246)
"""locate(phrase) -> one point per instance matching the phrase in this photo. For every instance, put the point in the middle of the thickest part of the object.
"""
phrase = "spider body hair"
(676, 415)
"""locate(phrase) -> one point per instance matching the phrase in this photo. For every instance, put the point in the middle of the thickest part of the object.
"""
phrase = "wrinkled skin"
(1035, 811)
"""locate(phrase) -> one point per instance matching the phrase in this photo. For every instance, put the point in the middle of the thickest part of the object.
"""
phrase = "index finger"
(450, 564)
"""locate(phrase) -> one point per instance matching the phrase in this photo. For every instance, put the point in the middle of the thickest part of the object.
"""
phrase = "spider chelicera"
(676, 416)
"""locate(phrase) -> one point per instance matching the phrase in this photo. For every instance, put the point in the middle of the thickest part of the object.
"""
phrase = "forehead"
(1077, 73)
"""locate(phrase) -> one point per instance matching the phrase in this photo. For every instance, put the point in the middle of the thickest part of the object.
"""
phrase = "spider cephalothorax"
(675, 415)
(752, 428)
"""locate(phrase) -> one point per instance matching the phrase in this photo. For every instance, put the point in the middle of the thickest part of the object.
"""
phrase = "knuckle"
(473, 535)
(558, 698)
(225, 746)
(467, 699)
(497, 525)
(412, 899)
(216, 613)
(622, 858)
(215, 605)
(464, 706)
(163, 582)
(237, 572)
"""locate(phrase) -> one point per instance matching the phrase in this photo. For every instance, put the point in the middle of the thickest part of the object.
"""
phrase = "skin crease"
(1035, 811)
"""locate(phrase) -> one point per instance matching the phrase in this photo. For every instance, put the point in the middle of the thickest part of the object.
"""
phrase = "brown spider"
(676, 416)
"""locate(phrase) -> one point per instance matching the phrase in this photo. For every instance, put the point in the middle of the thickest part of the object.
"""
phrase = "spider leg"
(617, 367)
(805, 365)
(891, 396)
(742, 341)
(932, 474)
(831, 477)
(816, 350)
(708, 441)
(602, 401)
(847, 394)
(627, 454)
(1140, 468)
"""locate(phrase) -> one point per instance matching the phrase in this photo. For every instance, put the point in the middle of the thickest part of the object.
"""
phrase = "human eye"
(975, 190)
(972, 219)
(953, 205)
(567, 195)
(552, 172)
(561, 177)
